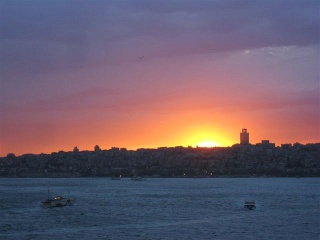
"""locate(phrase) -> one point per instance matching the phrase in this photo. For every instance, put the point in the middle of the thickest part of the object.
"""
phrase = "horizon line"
(155, 148)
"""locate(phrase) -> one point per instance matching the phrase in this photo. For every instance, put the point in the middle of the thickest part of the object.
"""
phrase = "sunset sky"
(148, 74)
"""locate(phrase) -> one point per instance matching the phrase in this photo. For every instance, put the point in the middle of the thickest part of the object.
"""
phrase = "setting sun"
(207, 144)
(206, 136)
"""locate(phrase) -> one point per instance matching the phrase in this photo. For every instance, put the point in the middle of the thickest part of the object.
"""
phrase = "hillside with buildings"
(244, 159)
(262, 159)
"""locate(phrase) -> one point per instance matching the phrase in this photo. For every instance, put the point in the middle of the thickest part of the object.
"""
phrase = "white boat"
(250, 205)
(57, 201)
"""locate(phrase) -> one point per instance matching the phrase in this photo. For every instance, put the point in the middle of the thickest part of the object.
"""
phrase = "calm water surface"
(287, 208)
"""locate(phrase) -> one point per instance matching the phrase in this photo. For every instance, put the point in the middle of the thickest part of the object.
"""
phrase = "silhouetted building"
(97, 148)
(286, 145)
(266, 143)
(244, 136)
(76, 150)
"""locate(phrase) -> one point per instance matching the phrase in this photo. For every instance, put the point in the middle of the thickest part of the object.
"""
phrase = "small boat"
(250, 205)
(57, 201)
(138, 178)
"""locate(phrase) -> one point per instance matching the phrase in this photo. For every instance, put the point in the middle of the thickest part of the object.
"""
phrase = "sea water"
(161, 208)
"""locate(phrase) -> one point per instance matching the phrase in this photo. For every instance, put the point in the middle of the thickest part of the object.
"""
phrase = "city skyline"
(243, 140)
(148, 74)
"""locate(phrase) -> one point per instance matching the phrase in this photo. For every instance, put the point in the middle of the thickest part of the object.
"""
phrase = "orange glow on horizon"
(154, 130)
(205, 136)
(207, 144)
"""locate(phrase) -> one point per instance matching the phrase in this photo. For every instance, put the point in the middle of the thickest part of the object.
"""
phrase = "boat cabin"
(250, 205)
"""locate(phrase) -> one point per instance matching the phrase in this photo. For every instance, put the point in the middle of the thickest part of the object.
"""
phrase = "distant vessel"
(57, 201)
(250, 205)
(138, 178)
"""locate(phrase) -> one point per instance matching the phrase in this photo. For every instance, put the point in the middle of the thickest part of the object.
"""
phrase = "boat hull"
(138, 179)
(58, 202)
(250, 205)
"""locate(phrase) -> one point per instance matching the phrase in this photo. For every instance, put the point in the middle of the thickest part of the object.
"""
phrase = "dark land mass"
(263, 160)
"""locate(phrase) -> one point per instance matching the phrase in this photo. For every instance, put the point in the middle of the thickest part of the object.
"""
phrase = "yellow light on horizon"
(207, 144)
(205, 136)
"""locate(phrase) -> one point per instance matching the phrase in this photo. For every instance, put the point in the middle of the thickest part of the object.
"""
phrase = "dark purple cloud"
(41, 36)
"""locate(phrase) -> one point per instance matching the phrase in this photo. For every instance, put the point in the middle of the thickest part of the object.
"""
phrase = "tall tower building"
(244, 136)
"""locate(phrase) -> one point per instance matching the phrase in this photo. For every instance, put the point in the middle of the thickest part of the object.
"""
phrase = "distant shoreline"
(247, 161)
